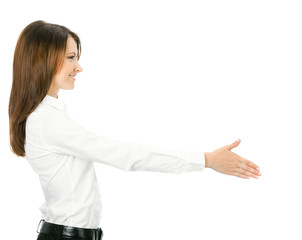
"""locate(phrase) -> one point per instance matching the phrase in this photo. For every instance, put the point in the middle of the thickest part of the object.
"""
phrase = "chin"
(69, 87)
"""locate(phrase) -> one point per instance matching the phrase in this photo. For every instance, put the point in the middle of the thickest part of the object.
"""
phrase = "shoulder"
(46, 116)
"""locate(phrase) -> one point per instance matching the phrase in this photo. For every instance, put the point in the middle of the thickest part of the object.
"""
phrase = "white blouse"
(63, 153)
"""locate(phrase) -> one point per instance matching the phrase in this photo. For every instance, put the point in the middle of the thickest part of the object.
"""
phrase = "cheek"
(63, 80)
(66, 72)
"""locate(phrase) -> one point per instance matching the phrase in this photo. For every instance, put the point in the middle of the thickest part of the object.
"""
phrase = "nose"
(78, 67)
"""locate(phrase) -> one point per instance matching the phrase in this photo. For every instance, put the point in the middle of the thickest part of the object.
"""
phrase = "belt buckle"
(38, 229)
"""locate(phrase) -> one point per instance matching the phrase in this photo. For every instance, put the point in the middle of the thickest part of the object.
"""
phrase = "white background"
(186, 75)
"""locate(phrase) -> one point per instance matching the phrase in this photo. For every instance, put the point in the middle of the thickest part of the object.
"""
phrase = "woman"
(63, 153)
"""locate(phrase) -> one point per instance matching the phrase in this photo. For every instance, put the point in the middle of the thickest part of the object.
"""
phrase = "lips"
(72, 77)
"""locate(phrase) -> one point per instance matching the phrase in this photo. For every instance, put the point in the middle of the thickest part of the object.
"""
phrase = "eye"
(71, 57)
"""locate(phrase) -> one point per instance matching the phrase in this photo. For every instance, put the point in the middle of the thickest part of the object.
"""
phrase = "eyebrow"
(72, 52)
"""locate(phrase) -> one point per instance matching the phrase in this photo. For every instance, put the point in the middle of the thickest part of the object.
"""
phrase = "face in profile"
(65, 77)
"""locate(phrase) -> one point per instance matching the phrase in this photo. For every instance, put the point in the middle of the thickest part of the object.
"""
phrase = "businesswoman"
(63, 153)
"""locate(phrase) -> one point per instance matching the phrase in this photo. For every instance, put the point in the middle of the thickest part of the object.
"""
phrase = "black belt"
(86, 233)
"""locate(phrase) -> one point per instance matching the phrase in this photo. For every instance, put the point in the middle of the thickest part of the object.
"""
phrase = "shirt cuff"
(198, 158)
(192, 161)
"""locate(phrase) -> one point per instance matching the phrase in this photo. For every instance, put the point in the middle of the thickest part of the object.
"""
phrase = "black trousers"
(51, 231)
(44, 236)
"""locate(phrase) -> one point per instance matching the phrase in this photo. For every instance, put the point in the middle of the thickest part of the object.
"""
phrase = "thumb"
(234, 144)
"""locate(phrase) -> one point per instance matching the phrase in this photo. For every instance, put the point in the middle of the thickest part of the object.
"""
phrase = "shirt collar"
(54, 102)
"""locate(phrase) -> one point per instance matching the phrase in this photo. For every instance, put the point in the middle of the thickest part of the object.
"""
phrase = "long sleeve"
(63, 135)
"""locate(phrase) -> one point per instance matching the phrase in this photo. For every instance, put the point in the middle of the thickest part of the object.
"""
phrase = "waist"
(62, 230)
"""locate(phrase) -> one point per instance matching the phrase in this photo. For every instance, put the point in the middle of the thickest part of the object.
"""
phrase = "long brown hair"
(38, 57)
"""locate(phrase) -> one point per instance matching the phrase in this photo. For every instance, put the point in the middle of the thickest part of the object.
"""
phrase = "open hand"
(223, 160)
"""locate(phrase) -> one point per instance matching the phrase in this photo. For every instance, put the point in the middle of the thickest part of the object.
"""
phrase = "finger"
(237, 174)
(246, 172)
(244, 164)
(253, 172)
(251, 164)
(234, 144)
(248, 163)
